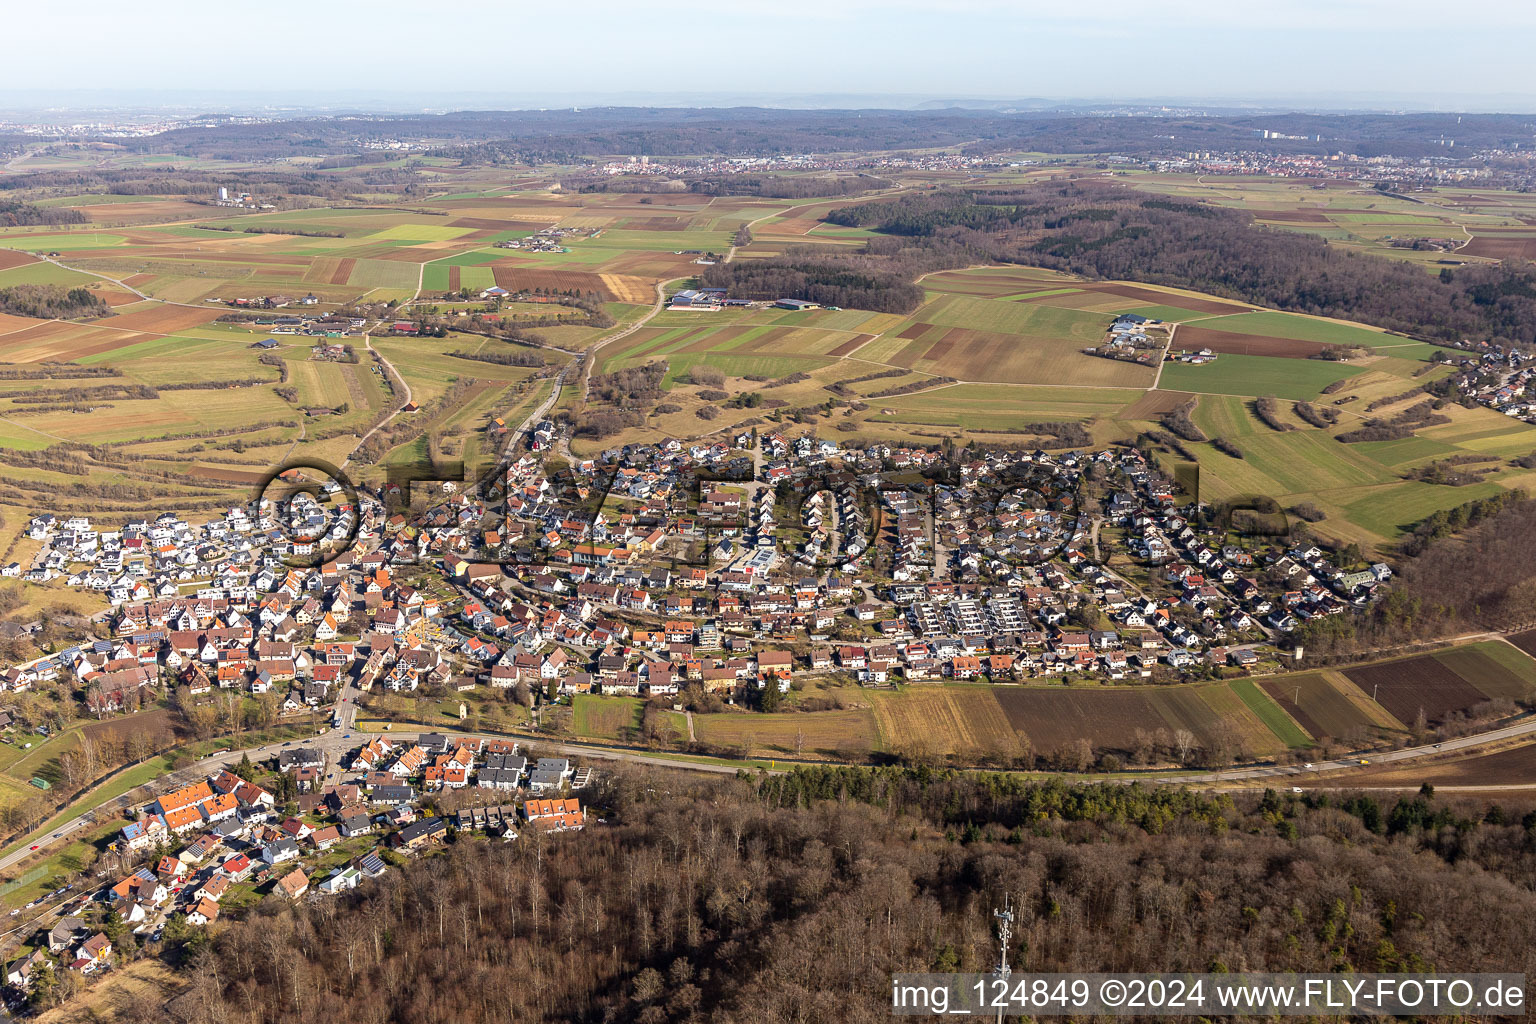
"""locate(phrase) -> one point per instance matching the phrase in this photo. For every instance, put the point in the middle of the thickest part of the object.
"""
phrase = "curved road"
(338, 741)
(591, 353)
(334, 743)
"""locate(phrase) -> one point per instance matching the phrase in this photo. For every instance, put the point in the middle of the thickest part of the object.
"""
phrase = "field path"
(591, 354)
(1163, 361)
(120, 284)
(395, 377)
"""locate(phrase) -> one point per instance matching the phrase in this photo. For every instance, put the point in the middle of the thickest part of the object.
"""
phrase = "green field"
(414, 232)
(999, 406)
(1302, 379)
(21, 239)
(1302, 328)
(43, 273)
(609, 718)
(1270, 713)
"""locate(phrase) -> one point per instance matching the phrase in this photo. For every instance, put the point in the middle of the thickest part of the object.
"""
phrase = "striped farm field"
(847, 733)
(1270, 713)
(1057, 717)
(65, 342)
(1443, 682)
(608, 287)
(1494, 667)
(1046, 293)
(981, 339)
(997, 282)
(941, 719)
(165, 319)
(1327, 705)
(437, 275)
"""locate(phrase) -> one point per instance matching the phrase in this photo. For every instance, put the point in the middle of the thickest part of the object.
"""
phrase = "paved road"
(1302, 775)
(337, 742)
(334, 743)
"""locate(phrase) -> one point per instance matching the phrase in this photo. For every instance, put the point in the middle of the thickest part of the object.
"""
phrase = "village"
(740, 570)
(228, 842)
(659, 566)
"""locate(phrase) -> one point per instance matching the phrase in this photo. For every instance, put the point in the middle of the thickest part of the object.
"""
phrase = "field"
(942, 718)
(1470, 224)
(850, 733)
(609, 718)
(1011, 338)
(981, 719)
(1256, 718)
(1455, 680)
(1328, 705)
(1054, 718)
(1256, 376)
(1514, 766)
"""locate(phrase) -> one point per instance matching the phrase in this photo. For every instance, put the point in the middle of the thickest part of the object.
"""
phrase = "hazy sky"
(1331, 50)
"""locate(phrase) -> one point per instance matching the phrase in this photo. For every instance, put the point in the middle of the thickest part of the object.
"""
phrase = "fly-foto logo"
(312, 511)
(725, 518)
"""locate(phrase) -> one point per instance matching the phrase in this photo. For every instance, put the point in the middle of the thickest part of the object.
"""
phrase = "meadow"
(1010, 337)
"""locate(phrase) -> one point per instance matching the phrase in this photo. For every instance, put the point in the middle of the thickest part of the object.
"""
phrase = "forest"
(760, 900)
(768, 186)
(17, 215)
(51, 302)
(880, 277)
(620, 399)
(174, 181)
(1472, 567)
(1106, 231)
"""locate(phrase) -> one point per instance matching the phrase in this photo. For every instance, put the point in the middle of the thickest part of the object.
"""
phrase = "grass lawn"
(604, 717)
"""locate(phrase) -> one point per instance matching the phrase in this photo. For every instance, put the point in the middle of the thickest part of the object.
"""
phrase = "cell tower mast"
(1004, 933)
